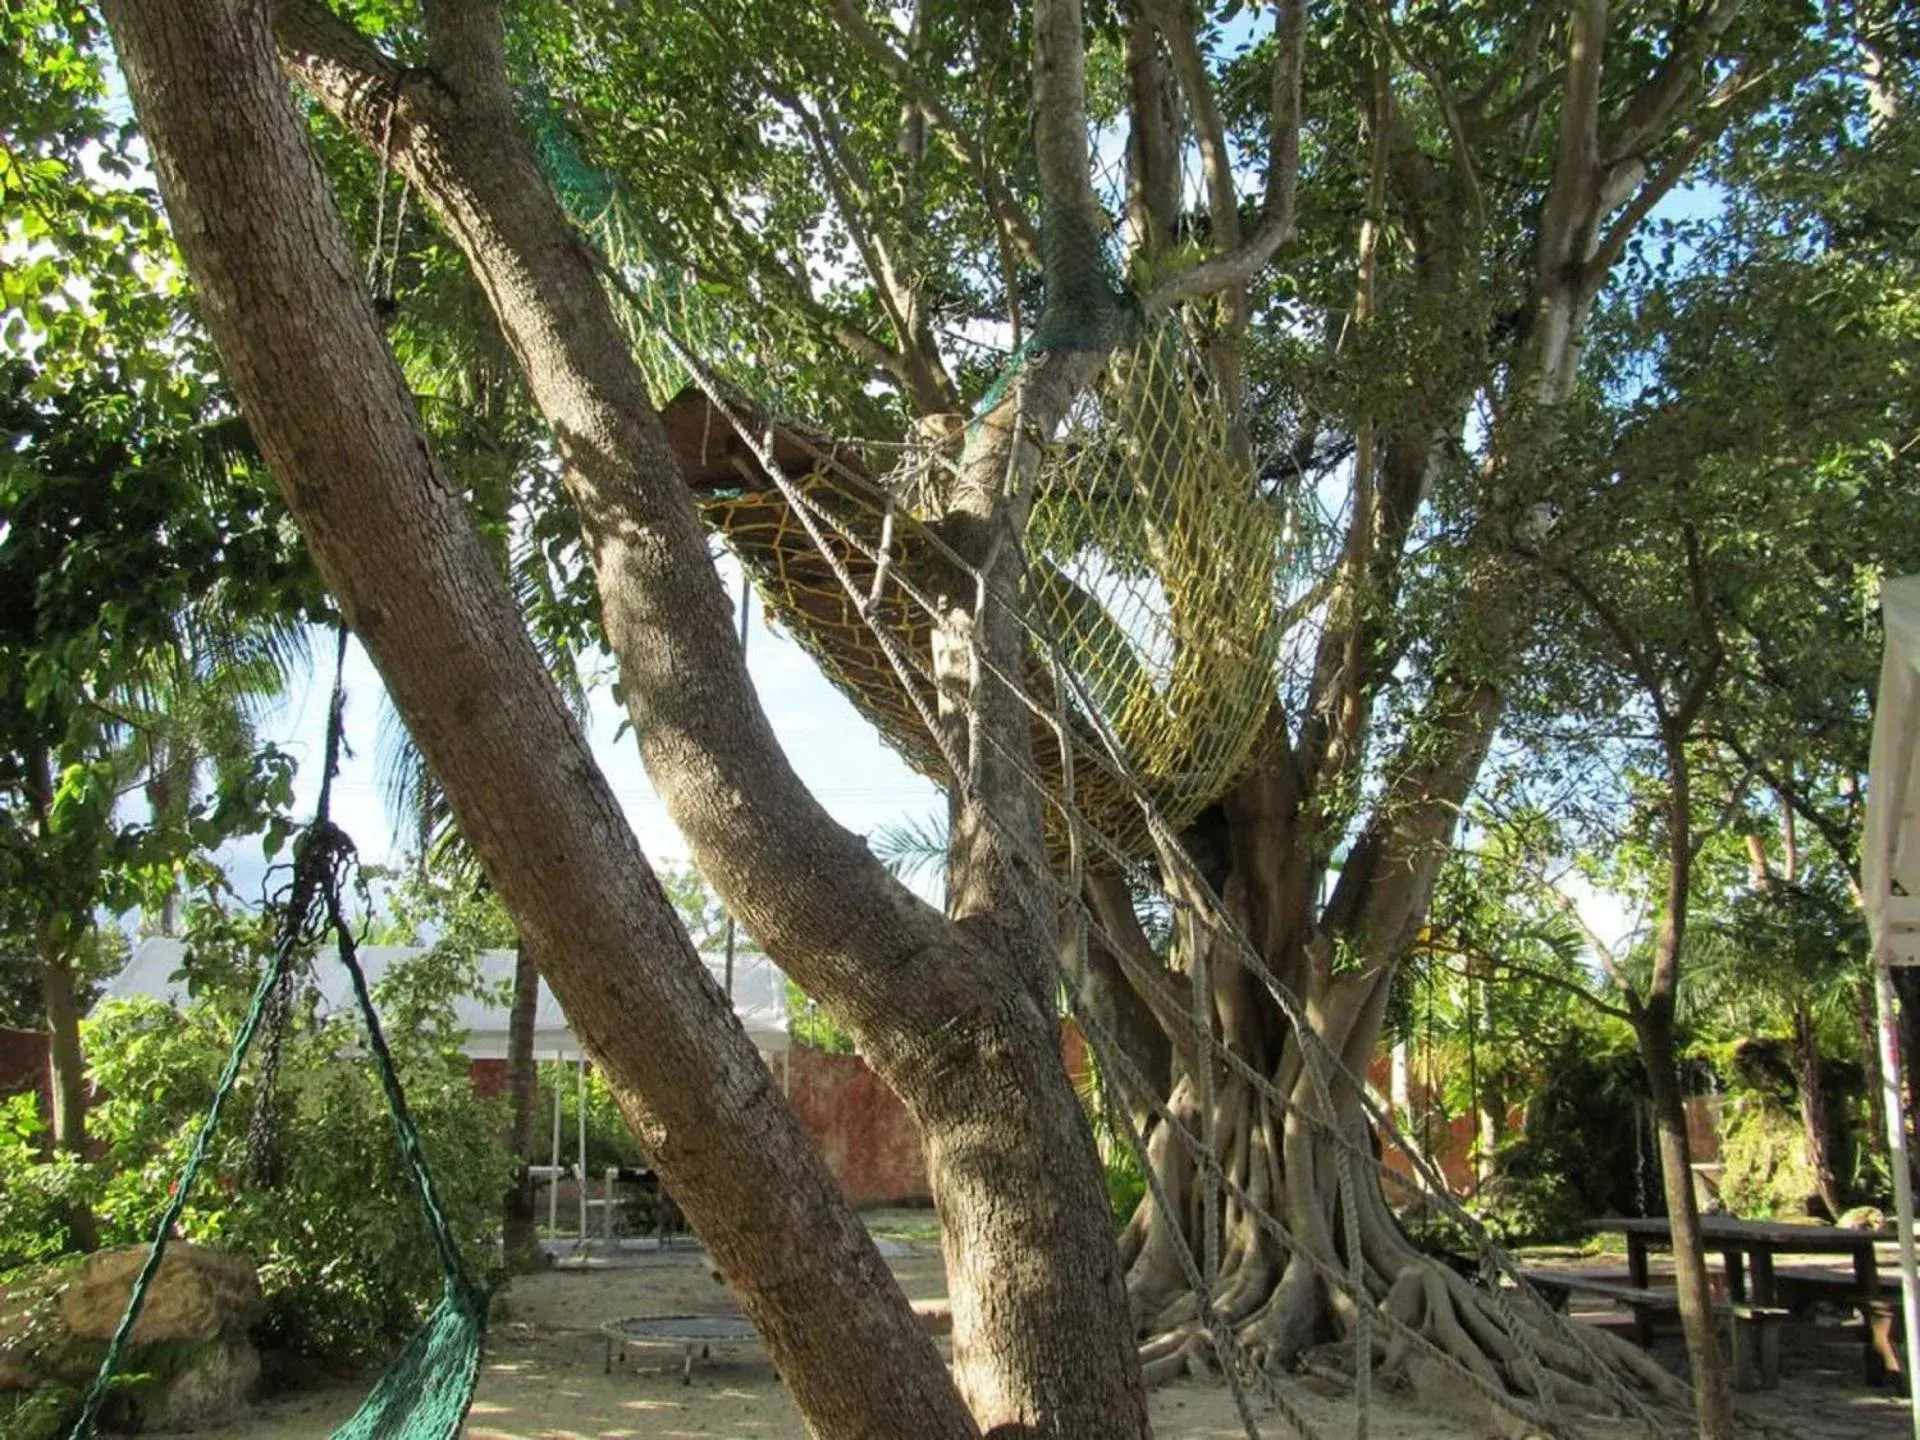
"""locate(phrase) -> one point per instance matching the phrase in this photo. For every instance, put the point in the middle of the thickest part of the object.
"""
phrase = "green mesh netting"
(426, 1392)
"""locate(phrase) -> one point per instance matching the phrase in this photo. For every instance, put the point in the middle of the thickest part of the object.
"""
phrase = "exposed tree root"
(1285, 1288)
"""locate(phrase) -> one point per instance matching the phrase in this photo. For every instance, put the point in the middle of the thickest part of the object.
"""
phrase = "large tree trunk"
(277, 280)
(1713, 1400)
(1285, 1235)
(519, 1229)
(956, 1018)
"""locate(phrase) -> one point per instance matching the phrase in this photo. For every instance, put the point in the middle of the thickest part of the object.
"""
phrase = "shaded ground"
(546, 1374)
(1823, 1394)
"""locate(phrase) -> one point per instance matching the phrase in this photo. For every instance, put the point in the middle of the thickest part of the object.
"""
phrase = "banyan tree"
(1133, 412)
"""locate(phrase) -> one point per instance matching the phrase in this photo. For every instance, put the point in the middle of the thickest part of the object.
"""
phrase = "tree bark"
(1867, 1031)
(59, 995)
(1713, 1399)
(957, 1019)
(66, 1072)
(519, 1229)
(277, 280)
(1653, 1025)
(1813, 1111)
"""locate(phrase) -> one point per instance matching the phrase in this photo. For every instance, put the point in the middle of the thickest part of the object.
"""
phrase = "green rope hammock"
(425, 1394)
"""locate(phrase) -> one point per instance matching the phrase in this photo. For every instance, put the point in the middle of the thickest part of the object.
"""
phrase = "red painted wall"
(488, 1078)
(860, 1126)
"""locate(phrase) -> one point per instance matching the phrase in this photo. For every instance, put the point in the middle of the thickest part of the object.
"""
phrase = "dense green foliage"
(343, 1251)
(1683, 534)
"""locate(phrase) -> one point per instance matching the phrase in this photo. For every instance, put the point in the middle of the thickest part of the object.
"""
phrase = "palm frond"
(912, 849)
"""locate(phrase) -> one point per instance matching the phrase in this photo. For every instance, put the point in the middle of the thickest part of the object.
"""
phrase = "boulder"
(197, 1386)
(191, 1342)
(198, 1294)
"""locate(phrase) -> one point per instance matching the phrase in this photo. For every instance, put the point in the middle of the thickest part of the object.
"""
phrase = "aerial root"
(1185, 1351)
(1455, 1319)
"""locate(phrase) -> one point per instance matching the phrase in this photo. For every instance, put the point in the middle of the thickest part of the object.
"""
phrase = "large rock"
(191, 1341)
(198, 1294)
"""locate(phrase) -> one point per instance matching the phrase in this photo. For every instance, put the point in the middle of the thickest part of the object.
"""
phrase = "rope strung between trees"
(837, 555)
(426, 1392)
(834, 546)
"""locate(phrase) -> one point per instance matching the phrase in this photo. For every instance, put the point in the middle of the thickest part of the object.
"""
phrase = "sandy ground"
(547, 1376)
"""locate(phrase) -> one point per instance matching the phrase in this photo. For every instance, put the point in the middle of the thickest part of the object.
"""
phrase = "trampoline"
(701, 1332)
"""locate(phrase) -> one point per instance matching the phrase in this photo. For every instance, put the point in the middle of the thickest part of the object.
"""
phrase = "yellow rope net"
(1153, 557)
(1150, 565)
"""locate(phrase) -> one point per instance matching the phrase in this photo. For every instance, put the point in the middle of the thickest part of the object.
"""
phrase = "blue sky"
(836, 752)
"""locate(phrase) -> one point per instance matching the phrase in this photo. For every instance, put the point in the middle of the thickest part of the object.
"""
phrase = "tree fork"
(277, 279)
(888, 967)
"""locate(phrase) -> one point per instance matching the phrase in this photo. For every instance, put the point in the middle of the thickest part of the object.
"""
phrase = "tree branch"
(1518, 59)
(1709, 672)
(1167, 994)
(1060, 111)
(1602, 951)
(1646, 115)
(1153, 145)
(1457, 945)
(1720, 112)
(1616, 626)
(1650, 193)
(1576, 165)
(1000, 202)
(1449, 110)
(1279, 211)
(918, 357)
(1175, 24)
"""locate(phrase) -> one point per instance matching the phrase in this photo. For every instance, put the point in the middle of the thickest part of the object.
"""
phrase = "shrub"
(609, 1140)
(347, 1264)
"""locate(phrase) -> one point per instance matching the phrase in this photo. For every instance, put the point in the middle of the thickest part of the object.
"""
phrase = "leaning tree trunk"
(519, 1230)
(277, 280)
(953, 1017)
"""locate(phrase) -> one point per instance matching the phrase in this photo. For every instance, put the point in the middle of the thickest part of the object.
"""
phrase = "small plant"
(812, 1026)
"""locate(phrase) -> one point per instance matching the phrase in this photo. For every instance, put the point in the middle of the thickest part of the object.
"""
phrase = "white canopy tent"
(759, 995)
(758, 989)
(1890, 892)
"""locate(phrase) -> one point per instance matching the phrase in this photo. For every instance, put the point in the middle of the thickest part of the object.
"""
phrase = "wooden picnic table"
(1751, 1245)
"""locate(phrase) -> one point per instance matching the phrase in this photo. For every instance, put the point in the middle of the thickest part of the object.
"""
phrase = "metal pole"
(583, 1149)
(553, 1178)
(746, 594)
(1894, 1102)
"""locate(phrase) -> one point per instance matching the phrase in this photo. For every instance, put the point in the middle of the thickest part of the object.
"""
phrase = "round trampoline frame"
(690, 1331)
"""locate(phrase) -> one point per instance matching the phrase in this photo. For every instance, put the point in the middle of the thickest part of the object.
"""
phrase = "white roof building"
(1890, 894)
(759, 994)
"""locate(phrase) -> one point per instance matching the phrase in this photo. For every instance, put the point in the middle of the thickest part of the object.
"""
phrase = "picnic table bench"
(1756, 1328)
(1748, 1249)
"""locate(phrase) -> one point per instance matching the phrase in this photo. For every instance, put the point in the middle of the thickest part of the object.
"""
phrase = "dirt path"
(546, 1377)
